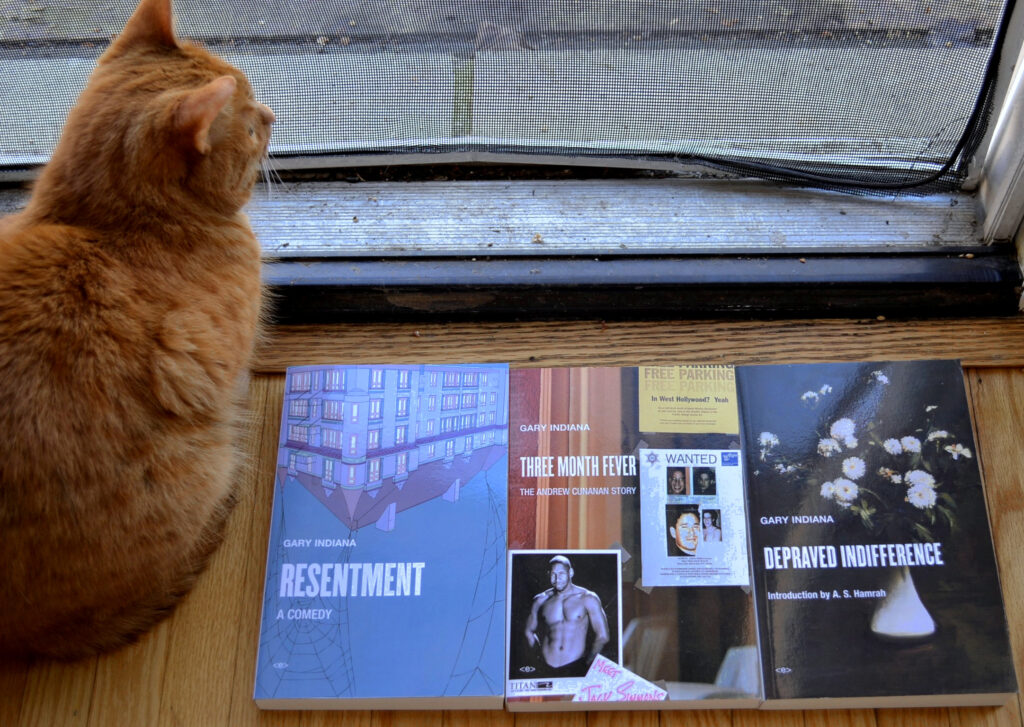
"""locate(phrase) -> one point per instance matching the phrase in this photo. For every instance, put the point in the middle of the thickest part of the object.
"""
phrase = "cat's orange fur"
(129, 306)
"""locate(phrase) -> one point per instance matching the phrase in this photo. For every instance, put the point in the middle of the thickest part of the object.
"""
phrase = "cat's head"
(162, 126)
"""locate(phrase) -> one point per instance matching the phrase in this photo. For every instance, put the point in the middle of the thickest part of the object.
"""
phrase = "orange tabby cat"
(129, 305)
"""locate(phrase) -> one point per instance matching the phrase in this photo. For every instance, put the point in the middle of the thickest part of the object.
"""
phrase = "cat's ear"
(151, 24)
(199, 108)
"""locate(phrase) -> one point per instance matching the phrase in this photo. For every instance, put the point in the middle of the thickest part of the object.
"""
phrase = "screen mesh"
(847, 93)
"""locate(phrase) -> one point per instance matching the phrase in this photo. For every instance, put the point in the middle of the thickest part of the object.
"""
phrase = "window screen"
(875, 94)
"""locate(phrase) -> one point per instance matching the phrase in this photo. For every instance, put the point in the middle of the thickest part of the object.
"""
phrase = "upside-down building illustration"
(356, 436)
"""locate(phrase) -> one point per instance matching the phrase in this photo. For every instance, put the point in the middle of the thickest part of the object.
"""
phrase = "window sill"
(619, 247)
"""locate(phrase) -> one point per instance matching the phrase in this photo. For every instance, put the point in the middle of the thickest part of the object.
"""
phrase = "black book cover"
(874, 572)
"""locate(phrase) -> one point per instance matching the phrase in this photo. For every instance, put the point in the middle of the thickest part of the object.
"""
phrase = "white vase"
(900, 615)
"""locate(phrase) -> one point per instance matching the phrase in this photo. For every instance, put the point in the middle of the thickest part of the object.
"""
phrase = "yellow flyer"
(690, 399)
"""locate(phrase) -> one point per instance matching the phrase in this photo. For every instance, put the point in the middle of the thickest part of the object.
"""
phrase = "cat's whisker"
(270, 176)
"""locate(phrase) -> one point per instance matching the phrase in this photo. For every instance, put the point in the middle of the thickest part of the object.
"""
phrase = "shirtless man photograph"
(563, 619)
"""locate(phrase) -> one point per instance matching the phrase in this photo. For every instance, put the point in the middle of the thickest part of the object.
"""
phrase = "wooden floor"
(197, 668)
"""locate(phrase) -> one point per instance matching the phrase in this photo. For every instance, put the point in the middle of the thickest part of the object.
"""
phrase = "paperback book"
(629, 581)
(385, 579)
(874, 570)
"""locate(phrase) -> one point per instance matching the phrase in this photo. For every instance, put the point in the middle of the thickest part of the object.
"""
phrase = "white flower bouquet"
(897, 478)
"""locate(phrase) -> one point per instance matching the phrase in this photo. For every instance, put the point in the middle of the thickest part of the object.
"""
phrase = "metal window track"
(819, 286)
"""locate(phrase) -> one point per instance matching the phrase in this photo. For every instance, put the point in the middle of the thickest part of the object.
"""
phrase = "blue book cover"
(385, 579)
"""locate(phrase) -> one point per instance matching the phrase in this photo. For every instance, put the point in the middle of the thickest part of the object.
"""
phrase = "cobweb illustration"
(322, 657)
(306, 651)
(488, 611)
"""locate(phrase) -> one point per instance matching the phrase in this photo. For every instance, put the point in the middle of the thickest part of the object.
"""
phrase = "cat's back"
(90, 335)
(119, 382)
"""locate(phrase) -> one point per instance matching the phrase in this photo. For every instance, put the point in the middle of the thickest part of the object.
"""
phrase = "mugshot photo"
(682, 529)
(564, 610)
(711, 526)
(677, 480)
(704, 481)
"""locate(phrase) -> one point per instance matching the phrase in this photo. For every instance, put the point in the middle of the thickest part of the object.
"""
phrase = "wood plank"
(977, 342)
(407, 719)
(770, 718)
(998, 401)
(478, 718)
(913, 717)
(1006, 716)
(551, 719)
(325, 718)
(58, 693)
(127, 685)
(645, 718)
(840, 718)
(697, 718)
(13, 679)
